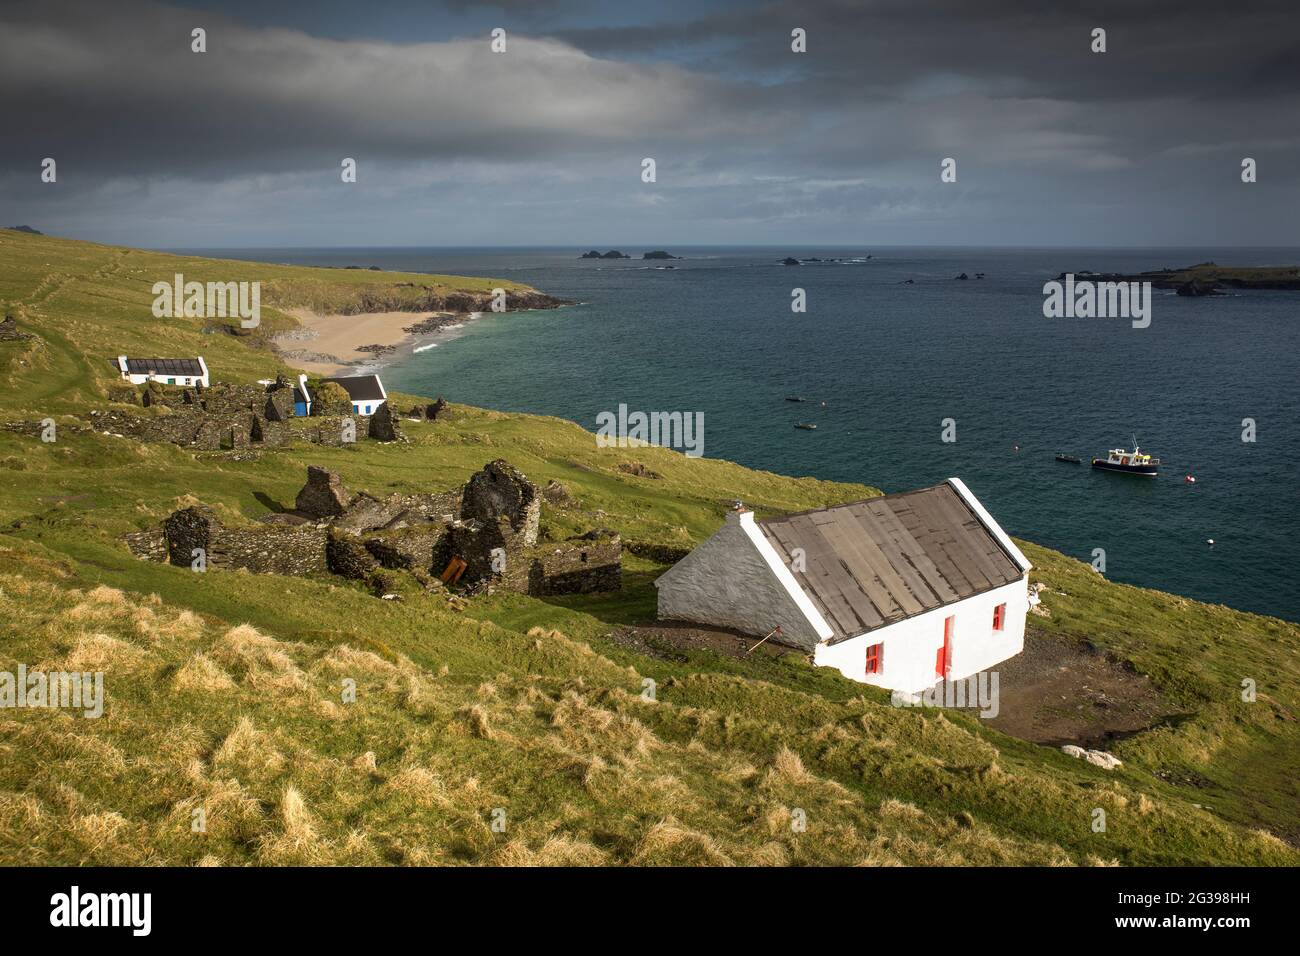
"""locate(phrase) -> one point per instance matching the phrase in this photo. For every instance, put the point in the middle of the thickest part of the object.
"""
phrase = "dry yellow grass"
(251, 733)
(202, 673)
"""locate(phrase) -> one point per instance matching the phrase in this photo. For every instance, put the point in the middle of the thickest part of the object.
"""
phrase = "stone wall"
(229, 417)
(500, 490)
(347, 556)
(269, 549)
(422, 548)
(272, 550)
(581, 565)
(324, 495)
(124, 393)
(659, 553)
(328, 429)
(148, 545)
(384, 424)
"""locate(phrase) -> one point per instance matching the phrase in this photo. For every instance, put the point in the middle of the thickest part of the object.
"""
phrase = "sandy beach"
(328, 344)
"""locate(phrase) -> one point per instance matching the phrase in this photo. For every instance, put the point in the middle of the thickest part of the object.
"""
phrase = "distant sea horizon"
(894, 360)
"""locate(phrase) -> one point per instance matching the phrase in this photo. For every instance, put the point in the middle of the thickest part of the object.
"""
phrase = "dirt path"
(1055, 692)
(68, 369)
(1061, 692)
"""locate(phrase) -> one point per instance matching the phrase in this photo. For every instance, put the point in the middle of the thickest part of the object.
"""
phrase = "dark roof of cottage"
(162, 366)
(876, 562)
(360, 388)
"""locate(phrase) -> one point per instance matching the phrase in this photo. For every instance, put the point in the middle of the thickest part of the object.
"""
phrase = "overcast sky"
(543, 144)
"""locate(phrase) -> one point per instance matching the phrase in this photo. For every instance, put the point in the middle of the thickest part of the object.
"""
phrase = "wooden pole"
(775, 630)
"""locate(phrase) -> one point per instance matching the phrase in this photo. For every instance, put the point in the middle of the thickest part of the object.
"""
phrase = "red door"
(943, 659)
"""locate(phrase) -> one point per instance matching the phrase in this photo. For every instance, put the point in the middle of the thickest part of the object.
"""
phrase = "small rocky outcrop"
(789, 261)
(1098, 758)
(637, 469)
(558, 494)
(963, 276)
(658, 254)
(612, 254)
(1195, 288)
(324, 495)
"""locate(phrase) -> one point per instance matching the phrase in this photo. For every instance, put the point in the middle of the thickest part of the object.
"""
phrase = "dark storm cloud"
(1157, 48)
(754, 142)
(118, 86)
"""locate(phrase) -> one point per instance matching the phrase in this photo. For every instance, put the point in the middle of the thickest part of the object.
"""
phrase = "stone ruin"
(429, 412)
(9, 331)
(237, 417)
(482, 537)
(323, 496)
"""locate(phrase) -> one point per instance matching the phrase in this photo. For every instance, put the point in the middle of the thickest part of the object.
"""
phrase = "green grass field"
(225, 690)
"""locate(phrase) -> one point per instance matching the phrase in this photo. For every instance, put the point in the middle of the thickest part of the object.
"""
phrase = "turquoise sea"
(892, 360)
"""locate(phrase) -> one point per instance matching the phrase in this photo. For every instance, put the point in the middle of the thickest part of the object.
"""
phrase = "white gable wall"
(911, 645)
(728, 582)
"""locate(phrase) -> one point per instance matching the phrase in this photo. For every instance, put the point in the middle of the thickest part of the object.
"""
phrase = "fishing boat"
(806, 426)
(1128, 462)
(1069, 458)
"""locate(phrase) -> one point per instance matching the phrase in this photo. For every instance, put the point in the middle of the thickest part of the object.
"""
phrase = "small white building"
(899, 591)
(166, 371)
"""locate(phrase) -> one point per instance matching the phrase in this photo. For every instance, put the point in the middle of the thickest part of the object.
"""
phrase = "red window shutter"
(875, 658)
(943, 660)
(999, 617)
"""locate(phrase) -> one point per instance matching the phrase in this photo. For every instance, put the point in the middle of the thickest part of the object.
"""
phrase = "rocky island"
(1206, 278)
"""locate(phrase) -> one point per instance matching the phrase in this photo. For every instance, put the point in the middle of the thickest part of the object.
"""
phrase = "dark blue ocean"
(892, 360)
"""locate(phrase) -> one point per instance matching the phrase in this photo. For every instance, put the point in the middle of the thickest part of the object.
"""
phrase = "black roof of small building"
(360, 388)
(874, 562)
(162, 366)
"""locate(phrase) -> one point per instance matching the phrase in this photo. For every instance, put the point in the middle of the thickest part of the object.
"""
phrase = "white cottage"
(167, 371)
(900, 591)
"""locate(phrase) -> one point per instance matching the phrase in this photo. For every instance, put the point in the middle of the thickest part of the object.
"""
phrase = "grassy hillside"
(91, 303)
(224, 689)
